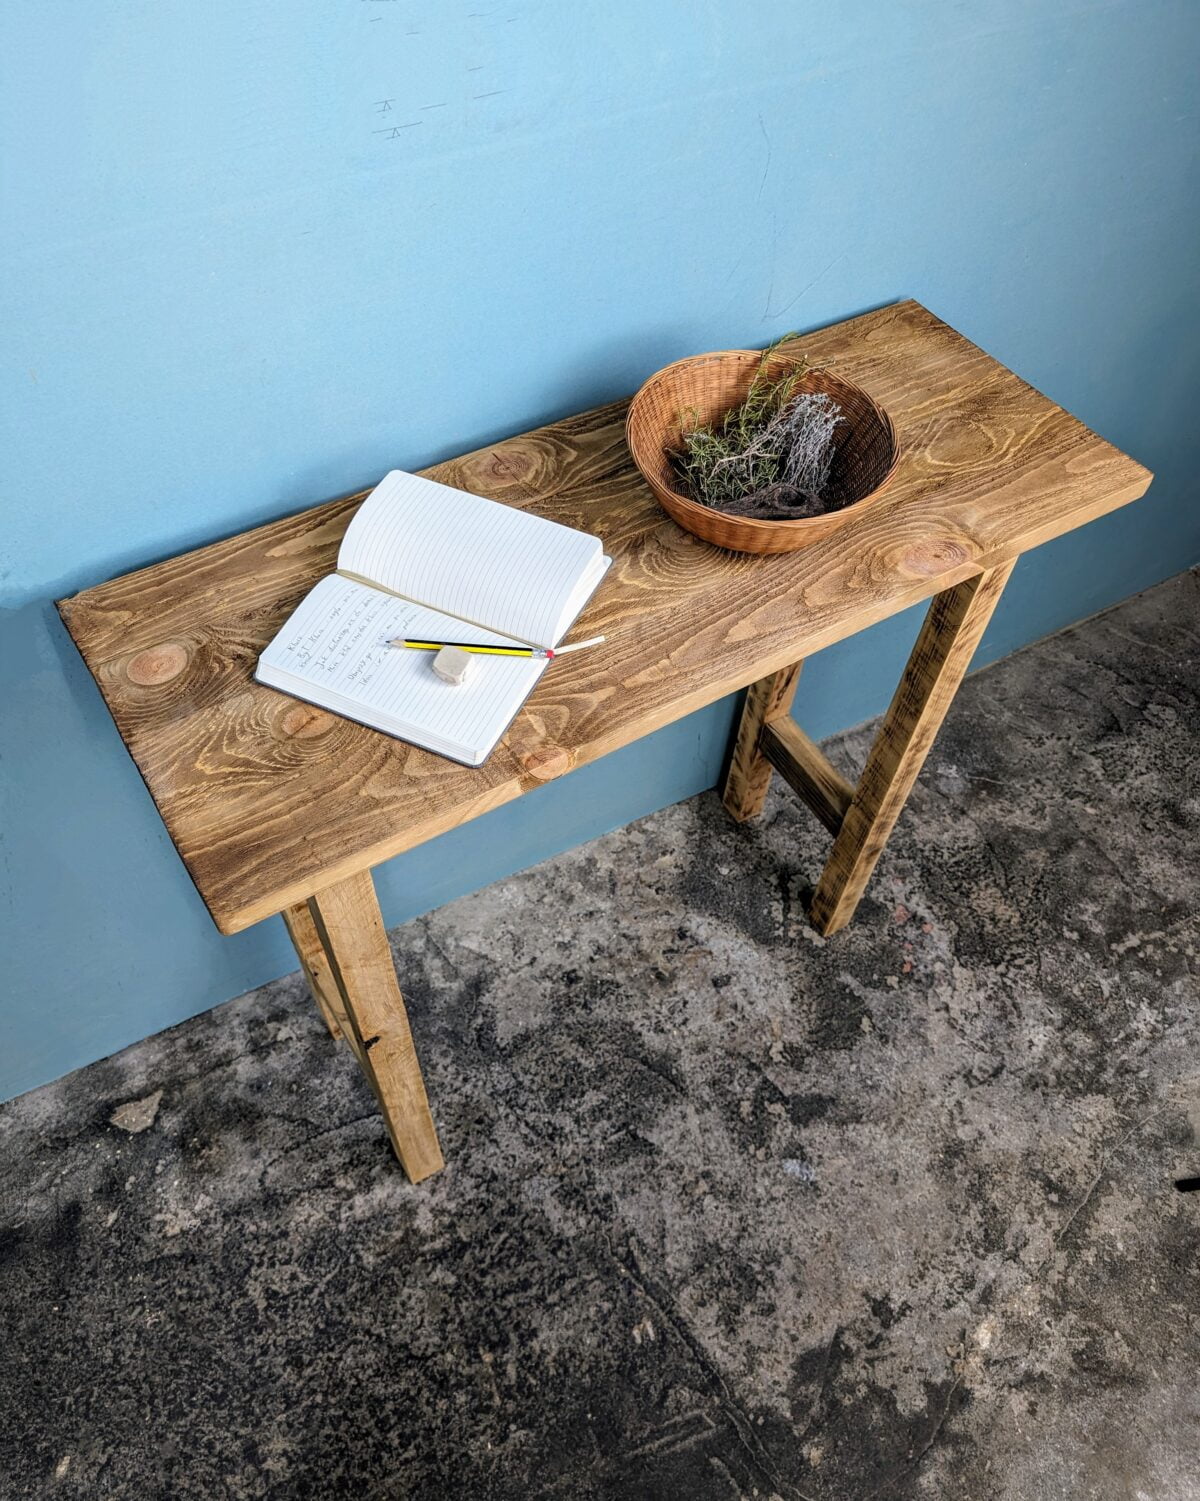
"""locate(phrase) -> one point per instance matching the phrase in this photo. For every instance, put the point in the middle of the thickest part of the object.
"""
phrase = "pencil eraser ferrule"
(452, 664)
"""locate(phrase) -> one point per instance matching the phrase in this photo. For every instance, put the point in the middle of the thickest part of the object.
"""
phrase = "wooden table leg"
(315, 963)
(749, 773)
(349, 925)
(939, 660)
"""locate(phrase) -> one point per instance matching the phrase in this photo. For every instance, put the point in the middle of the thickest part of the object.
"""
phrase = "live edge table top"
(269, 800)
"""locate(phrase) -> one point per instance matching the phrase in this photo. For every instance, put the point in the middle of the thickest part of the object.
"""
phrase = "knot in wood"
(517, 462)
(547, 763)
(157, 664)
(938, 555)
(303, 722)
(511, 466)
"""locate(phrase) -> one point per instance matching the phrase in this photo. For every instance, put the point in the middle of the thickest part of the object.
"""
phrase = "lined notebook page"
(474, 558)
(331, 652)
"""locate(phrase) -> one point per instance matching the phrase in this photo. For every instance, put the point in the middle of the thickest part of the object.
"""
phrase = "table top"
(268, 799)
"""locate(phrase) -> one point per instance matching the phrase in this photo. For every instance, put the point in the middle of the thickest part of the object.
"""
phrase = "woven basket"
(865, 448)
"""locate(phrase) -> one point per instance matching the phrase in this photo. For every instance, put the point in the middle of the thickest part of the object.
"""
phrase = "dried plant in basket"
(768, 458)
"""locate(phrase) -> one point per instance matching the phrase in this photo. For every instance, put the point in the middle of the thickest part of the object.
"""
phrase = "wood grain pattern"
(315, 963)
(268, 801)
(348, 921)
(749, 773)
(955, 621)
(807, 770)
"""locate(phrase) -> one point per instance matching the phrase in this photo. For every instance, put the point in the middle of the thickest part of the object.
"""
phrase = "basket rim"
(755, 524)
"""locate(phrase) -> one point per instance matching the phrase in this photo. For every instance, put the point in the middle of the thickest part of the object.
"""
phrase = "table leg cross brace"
(861, 818)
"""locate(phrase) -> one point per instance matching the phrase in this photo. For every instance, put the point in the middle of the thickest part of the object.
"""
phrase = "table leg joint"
(749, 775)
(315, 963)
(805, 767)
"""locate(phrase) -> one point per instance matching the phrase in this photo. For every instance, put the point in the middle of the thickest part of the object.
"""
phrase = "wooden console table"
(275, 806)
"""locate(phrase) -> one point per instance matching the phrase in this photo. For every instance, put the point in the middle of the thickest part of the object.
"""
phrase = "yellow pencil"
(482, 651)
(496, 651)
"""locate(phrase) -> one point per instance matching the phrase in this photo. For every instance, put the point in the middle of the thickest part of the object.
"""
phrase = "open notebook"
(424, 561)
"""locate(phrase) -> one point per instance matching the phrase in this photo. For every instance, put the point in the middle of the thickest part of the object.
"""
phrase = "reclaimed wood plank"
(315, 963)
(268, 800)
(956, 620)
(348, 920)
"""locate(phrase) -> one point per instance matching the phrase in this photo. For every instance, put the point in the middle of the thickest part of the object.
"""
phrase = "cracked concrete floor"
(730, 1211)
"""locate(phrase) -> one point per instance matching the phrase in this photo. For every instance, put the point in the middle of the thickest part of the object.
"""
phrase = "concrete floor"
(730, 1211)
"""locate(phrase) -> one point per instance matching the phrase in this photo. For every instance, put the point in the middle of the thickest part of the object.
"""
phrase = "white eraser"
(452, 664)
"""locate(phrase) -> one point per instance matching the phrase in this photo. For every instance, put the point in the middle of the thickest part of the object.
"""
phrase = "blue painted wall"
(259, 251)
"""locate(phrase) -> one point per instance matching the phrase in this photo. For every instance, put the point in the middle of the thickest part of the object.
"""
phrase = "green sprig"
(720, 463)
